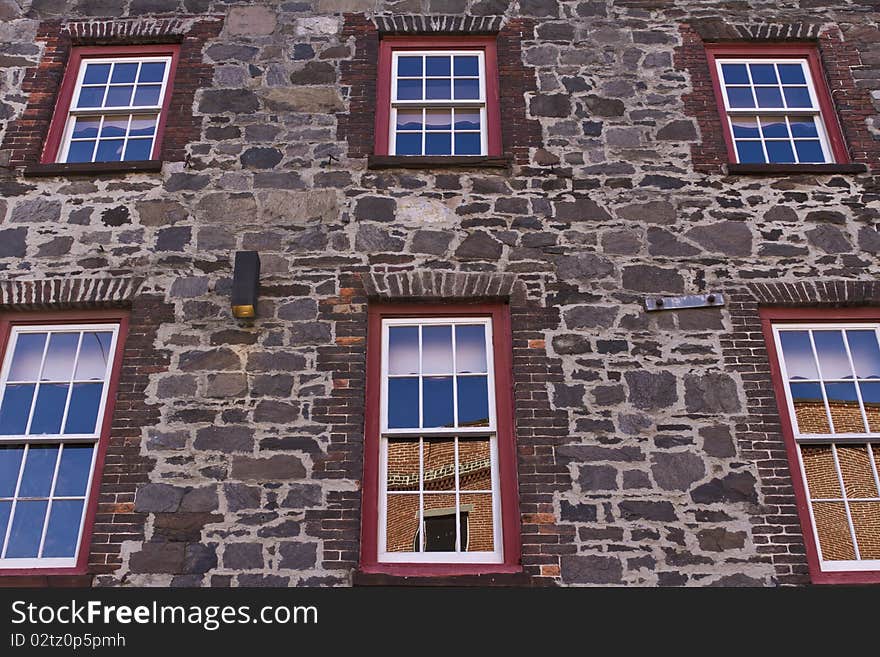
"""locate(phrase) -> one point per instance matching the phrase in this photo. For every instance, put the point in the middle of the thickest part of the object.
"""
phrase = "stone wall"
(649, 449)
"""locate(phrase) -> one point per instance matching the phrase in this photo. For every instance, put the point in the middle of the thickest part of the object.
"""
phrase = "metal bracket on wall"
(688, 301)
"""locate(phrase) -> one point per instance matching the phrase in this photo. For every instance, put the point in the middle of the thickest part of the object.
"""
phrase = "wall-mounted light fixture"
(245, 283)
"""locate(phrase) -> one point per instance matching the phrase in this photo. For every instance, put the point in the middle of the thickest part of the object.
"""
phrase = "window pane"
(809, 408)
(437, 350)
(28, 356)
(409, 119)
(833, 530)
(152, 72)
(96, 73)
(467, 89)
(109, 151)
(832, 355)
(409, 66)
(821, 472)
(844, 404)
(745, 127)
(467, 65)
(147, 94)
(473, 401)
(809, 151)
(73, 471)
(855, 466)
(142, 125)
(480, 527)
(138, 149)
(438, 120)
(5, 510)
(866, 520)
(403, 522)
(49, 409)
(798, 355)
(80, 151)
(409, 89)
(403, 350)
(467, 119)
(403, 465)
(114, 126)
(735, 73)
(403, 403)
(437, 401)
(27, 529)
(803, 126)
(470, 348)
(792, 74)
(439, 518)
(119, 96)
(871, 398)
(437, 66)
(467, 144)
(63, 530)
(797, 97)
(10, 464)
(124, 72)
(437, 89)
(439, 464)
(15, 408)
(86, 127)
(93, 355)
(474, 465)
(740, 97)
(780, 151)
(438, 143)
(83, 412)
(865, 352)
(774, 127)
(768, 97)
(409, 144)
(763, 73)
(750, 151)
(91, 97)
(60, 356)
(39, 468)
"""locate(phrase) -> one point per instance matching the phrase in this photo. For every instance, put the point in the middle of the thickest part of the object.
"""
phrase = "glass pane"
(470, 348)
(403, 350)
(797, 97)
(5, 510)
(403, 465)
(10, 464)
(435, 89)
(147, 94)
(28, 356)
(774, 127)
(467, 119)
(809, 408)
(152, 72)
(866, 522)
(780, 151)
(49, 409)
(871, 399)
(740, 97)
(15, 409)
(409, 144)
(83, 412)
(768, 97)
(791, 74)
(833, 530)
(750, 152)
(855, 466)
(439, 464)
(735, 73)
(798, 355)
(403, 522)
(119, 96)
(480, 535)
(91, 96)
(467, 65)
(438, 143)
(865, 352)
(437, 350)
(96, 73)
(438, 120)
(409, 119)
(409, 89)
(403, 403)
(468, 143)
(409, 66)
(124, 72)
(73, 471)
(439, 518)
(763, 73)
(27, 529)
(473, 401)
(80, 151)
(832, 355)
(63, 530)
(844, 404)
(93, 355)
(809, 151)
(745, 127)
(803, 126)
(109, 151)
(437, 401)
(821, 473)
(142, 125)
(474, 464)
(39, 468)
(60, 357)
(437, 66)
(467, 89)
(114, 126)
(86, 127)
(138, 149)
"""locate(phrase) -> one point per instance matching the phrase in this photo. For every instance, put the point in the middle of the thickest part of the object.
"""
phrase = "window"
(438, 97)
(439, 469)
(775, 105)
(54, 397)
(829, 375)
(112, 106)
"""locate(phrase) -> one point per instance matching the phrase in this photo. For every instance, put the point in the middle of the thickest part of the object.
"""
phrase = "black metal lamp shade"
(245, 284)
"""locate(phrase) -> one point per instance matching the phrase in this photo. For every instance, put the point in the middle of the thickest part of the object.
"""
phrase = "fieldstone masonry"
(649, 447)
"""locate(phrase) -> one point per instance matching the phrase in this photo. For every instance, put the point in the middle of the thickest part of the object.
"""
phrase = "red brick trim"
(26, 136)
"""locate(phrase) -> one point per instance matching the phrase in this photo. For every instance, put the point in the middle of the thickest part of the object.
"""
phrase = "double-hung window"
(54, 390)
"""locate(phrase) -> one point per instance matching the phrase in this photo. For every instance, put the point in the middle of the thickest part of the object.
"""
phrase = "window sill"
(93, 168)
(499, 579)
(438, 162)
(45, 581)
(793, 169)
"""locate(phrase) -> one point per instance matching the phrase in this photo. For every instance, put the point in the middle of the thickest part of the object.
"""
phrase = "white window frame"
(738, 112)
(60, 439)
(424, 104)
(73, 112)
(490, 432)
(867, 439)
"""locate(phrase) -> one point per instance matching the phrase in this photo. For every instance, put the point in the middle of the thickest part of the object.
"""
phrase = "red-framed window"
(58, 382)
(826, 373)
(775, 104)
(438, 96)
(440, 491)
(113, 104)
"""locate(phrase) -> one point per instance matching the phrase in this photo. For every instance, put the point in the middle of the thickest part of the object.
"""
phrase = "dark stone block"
(662, 182)
(719, 539)
(664, 243)
(285, 529)
(199, 558)
(829, 239)
(578, 512)
(118, 216)
(306, 333)
(219, 101)
(479, 245)
(263, 581)
(711, 393)
(599, 106)
(299, 310)
(558, 105)
(199, 499)
(241, 496)
(565, 396)
(648, 278)
(158, 498)
(282, 467)
(225, 439)
(176, 238)
(731, 238)
(13, 243)
(298, 556)
(738, 579)
(266, 361)
(734, 487)
(677, 470)
(158, 558)
(433, 242)
(272, 385)
(590, 316)
(582, 209)
(182, 527)
(243, 556)
(650, 391)
(275, 412)
(213, 359)
(646, 510)
(608, 395)
(571, 343)
(591, 569)
(597, 477)
(375, 208)
(314, 73)
(303, 496)
(584, 267)
(372, 239)
(261, 158)
(678, 131)
(718, 442)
